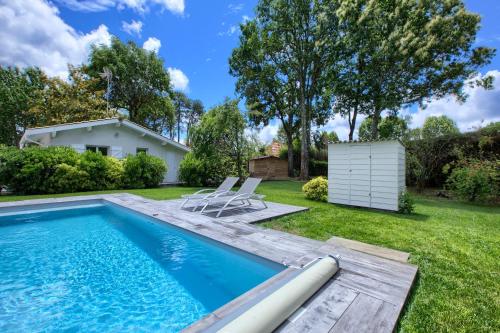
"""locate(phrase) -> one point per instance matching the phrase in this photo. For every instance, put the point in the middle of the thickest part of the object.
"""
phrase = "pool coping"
(352, 289)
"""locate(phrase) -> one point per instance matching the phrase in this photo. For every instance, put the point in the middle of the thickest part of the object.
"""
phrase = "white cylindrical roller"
(274, 309)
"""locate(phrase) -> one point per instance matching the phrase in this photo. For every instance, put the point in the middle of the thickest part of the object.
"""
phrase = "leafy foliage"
(138, 76)
(19, 90)
(70, 101)
(220, 144)
(421, 49)
(406, 204)
(427, 158)
(316, 189)
(191, 171)
(143, 170)
(475, 180)
(436, 126)
(389, 128)
(36, 170)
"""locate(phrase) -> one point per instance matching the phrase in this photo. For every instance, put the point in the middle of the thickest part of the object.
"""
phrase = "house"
(274, 148)
(268, 168)
(112, 137)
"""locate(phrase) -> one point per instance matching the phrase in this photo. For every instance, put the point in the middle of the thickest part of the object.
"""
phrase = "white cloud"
(174, 6)
(481, 108)
(179, 80)
(229, 32)
(245, 18)
(235, 7)
(132, 28)
(152, 44)
(33, 34)
(267, 133)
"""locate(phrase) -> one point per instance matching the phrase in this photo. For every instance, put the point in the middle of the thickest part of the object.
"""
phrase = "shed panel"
(366, 174)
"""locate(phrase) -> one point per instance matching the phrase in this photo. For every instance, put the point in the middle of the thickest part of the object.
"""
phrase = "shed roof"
(264, 157)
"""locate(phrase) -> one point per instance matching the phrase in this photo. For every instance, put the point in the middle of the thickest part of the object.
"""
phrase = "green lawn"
(455, 245)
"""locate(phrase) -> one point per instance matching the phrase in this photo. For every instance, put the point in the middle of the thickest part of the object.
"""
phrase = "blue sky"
(195, 39)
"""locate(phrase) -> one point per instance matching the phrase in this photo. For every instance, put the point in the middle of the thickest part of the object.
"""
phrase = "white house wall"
(128, 139)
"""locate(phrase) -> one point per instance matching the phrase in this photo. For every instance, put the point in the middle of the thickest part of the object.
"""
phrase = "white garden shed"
(366, 174)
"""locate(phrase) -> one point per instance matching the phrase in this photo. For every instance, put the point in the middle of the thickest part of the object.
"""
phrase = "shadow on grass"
(412, 217)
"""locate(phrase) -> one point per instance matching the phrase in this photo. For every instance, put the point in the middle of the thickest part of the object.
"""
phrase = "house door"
(360, 175)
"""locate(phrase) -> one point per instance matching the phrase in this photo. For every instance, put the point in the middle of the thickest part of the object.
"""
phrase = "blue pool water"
(106, 268)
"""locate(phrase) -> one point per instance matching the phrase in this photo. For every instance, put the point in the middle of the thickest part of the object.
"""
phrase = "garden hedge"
(36, 170)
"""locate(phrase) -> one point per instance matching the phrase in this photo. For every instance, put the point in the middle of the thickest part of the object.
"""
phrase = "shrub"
(113, 177)
(38, 170)
(318, 168)
(475, 180)
(28, 171)
(143, 171)
(191, 170)
(68, 178)
(316, 189)
(406, 203)
(95, 165)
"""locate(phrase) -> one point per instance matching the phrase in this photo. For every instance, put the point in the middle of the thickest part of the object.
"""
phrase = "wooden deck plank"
(367, 314)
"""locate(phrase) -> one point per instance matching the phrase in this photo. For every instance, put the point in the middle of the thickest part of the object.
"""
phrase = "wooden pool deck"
(366, 295)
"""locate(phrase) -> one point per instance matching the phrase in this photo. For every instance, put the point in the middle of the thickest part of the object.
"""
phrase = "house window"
(95, 149)
(141, 150)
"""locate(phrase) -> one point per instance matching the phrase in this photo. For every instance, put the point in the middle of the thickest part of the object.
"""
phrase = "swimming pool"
(106, 268)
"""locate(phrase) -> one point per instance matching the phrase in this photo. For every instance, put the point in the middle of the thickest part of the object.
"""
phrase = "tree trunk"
(304, 149)
(179, 127)
(375, 121)
(352, 123)
(289, 139)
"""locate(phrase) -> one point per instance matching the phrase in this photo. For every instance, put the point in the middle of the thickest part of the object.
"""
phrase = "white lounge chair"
(223, 189)
(243, 195)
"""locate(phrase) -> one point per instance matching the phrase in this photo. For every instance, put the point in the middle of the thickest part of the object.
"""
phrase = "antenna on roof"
(107, 75)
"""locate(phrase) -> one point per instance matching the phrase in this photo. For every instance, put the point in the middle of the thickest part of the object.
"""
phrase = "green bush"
(191, 170)
(95, 165)
(38, 170)
(68, 178)
(143, 171)
(475, 180)
(406, 203)
(113, 177)
(318, 168)
(28, 171)
(316, 189)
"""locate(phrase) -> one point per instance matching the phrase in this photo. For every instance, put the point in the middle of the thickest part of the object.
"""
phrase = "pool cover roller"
(274, 309)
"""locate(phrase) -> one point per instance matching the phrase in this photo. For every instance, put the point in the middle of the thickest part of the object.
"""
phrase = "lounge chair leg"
(264, 203)
(184, 203)
(203, 209)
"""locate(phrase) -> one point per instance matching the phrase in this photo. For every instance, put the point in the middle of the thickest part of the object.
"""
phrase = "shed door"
(359, 175)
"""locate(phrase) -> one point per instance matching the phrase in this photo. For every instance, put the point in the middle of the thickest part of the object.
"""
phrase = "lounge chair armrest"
(205, 190)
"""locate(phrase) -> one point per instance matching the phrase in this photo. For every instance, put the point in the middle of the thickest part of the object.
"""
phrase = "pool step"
(378, 251)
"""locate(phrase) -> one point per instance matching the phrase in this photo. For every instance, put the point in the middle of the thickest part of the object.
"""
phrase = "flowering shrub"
(316, 189)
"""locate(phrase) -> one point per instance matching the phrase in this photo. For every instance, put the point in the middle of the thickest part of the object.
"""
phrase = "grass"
(455, 245)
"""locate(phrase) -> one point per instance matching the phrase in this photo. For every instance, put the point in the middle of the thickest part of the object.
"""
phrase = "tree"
(391, 127)
(219, 141)
(287, 40)
(436, 126)
(321, 139)
(268, 95)
(193, 117)
(138, 76)
(397, 53)
(182, 105)
(70, 101)
(19, 90)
